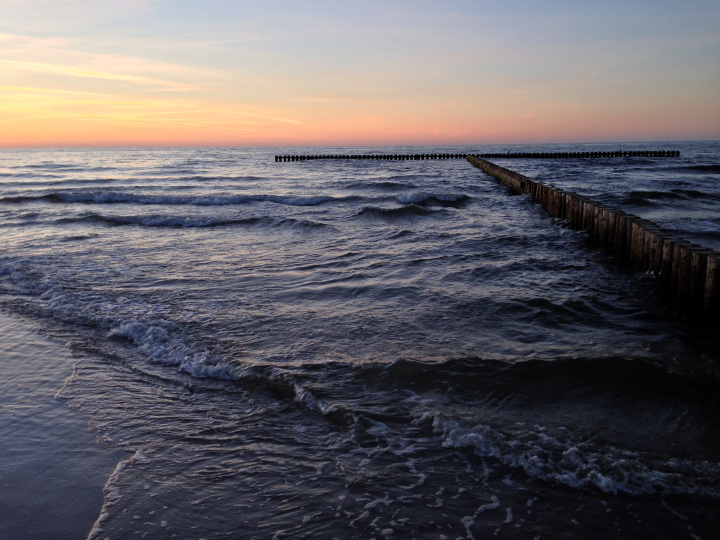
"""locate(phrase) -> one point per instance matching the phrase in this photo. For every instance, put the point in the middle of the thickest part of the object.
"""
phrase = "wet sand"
(52, 470)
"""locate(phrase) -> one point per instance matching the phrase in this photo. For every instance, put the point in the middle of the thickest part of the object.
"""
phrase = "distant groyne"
(511, 155)
(688, 271)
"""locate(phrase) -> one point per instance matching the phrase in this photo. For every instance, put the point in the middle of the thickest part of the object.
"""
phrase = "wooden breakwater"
(515, 155)
(375, 157)
(689, 271)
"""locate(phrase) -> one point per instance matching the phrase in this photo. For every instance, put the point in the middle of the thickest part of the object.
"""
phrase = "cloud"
(34, 103)
(60, 57)
(319, 100)
(78, 72)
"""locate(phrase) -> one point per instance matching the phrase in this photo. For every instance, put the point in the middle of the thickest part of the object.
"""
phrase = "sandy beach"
(52, 470)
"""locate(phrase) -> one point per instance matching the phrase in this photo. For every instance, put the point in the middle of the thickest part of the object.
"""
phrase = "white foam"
(468, 522)
(306, 397)
(380, 430)
(364, 515)
(112, 492)
(494, 505)
(421, 480)
(372, 504)
(583, 465)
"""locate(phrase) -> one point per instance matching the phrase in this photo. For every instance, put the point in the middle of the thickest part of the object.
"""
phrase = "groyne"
(516, 155)
(688, 271)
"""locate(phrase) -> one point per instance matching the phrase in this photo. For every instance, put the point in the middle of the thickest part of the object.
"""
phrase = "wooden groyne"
(690, 272)
(381, 157)
(511, 155)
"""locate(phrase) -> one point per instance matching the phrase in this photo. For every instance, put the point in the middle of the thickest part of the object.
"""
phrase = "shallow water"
(357, 349)
(52, 471)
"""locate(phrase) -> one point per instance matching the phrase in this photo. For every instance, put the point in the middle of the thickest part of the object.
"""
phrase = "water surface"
(360, 349)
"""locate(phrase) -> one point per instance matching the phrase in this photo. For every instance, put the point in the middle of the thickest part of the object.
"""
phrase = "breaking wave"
(189, 222)
(439, 199)
(116, 197)
(402, 211)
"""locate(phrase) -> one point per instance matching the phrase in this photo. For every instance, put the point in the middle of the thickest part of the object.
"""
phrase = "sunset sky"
(308, 73)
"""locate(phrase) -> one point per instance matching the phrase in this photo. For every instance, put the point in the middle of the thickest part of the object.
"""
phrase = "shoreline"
(52, 470)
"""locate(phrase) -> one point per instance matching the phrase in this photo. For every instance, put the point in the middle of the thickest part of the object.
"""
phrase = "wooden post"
(656, 251)
(569, 201)
(602, 228)
(636, 244)
(698, 275)
(629, 220)
(681, 270)
(611, 215)
(685, 273)
(618, 238)
(711, 304)
(587, 208)
(668, 254)
(578, 206)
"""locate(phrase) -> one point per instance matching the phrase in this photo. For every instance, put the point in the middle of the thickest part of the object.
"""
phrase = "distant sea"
(364, 349)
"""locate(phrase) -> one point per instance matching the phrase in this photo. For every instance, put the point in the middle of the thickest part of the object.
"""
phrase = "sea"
(352, 348)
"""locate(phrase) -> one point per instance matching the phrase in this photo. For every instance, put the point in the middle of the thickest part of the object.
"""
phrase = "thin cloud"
(78, 105)
(86, 73)
(50, 91)
(319, 100)
(63, 56)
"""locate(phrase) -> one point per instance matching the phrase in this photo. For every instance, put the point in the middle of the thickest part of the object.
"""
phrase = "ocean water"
(343, 349)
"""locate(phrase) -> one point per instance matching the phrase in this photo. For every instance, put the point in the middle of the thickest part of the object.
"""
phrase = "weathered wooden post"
(668, 254)
(655, 254)
(636, 241)
(682, 263)
(698, 275)
(711, 303)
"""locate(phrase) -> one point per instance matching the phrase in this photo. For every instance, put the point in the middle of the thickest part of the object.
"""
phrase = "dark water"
(369, 349)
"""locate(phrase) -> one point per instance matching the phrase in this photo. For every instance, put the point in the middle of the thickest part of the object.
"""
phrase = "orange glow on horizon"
(34, 117)
(151, 74)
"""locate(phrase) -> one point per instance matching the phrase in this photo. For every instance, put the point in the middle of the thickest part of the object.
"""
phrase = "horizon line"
(229, 146)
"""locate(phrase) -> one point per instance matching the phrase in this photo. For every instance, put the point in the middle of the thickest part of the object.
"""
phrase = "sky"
(318, 73)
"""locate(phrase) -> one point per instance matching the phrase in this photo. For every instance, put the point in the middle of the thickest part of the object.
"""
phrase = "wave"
(54, 184)
(514, 399)
(115, 197)
(571, 398)
(694, 194)
(644, 195)
(526, 394)
(582, 464)
(204, 178)
(400, 234)
(440, 199)
(673, 194)
(77, 237)
(546, 380)
(66, 167)
(701, 227)
(386, 185)
(190, 222)
(403, 211)
(652, 197)
(713, 169)
(28, 175)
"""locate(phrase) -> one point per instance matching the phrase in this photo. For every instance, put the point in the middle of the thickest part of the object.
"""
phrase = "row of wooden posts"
(583, 155)
(382, 157)
(689, 271)
(511, 155)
